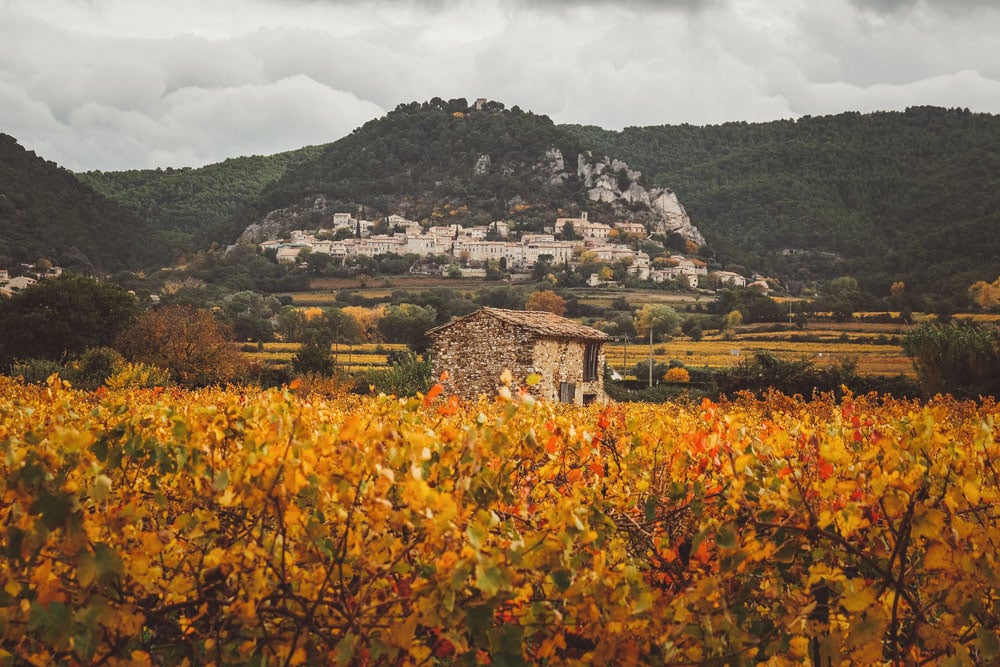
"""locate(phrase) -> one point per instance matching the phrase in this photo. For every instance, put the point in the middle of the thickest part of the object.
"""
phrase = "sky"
(128, 84)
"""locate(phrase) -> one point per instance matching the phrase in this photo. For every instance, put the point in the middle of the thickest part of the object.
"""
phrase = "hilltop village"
(469, 250)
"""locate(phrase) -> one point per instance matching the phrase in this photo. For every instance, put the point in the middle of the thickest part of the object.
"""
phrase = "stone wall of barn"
(561, 361)
(476, 351)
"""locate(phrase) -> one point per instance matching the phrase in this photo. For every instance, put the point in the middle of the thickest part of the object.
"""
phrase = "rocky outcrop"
(612, 182)
(482, 165)
(276, 224)
(555, 166)
(609, 183)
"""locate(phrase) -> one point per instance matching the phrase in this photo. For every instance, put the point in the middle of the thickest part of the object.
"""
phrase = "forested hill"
(425, 160)
(191, 208)
(911, 196)
(46, 213)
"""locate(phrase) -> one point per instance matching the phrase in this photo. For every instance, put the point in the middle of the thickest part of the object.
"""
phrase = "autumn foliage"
(194, 347)
(170, 527)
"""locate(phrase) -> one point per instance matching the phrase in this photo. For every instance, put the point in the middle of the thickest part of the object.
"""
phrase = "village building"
(288, 253)
(582, 226)
(483, 245)
(636, 229)
(729, 278)
(477, 348)
(12, 285)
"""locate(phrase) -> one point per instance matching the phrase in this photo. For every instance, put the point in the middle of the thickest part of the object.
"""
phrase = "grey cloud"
(297, 72)
(897, 7)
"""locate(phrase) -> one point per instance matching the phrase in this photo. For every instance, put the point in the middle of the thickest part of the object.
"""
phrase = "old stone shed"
(477, 348)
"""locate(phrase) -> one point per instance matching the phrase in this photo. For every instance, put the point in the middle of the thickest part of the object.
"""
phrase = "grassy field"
(871, 359)
(874, 347)
(348, 357)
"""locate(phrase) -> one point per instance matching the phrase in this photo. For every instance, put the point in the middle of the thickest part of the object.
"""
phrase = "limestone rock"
(673, 217)
(277, 223)
(636, 194)
(555, 166)
(664, 213)
(482, 165)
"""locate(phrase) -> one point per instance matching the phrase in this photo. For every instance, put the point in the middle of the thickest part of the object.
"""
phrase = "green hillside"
(911, 196)
(46, 213)
(193, 207)
(420, 160)
(894, 196)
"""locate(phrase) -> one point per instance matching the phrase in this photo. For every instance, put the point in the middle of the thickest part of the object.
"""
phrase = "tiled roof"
(537, 321)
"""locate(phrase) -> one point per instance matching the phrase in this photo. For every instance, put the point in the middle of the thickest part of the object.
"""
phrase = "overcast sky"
(117, 84)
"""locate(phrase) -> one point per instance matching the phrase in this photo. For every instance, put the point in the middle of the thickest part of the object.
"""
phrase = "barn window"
(590, 354)
(567, 392)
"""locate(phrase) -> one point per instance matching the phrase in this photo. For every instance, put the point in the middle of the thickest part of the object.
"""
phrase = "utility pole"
(625, 370)
(650, 355)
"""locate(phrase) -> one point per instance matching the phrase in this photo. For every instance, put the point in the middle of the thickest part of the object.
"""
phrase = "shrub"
(677, 374)
(35, 371)
(960, 359)
(139, 376)
(326, 386)
(92, 369)
(404, 378)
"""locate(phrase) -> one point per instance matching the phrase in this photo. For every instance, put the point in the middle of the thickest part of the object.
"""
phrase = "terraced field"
(350, 358)
(871, 359)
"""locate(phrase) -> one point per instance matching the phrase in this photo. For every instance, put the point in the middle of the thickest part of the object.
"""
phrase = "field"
(350, 358)
(871, 359)
(148, 527)
(875, 348)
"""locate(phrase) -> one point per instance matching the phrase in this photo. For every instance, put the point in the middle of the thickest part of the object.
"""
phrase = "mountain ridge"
(887, 197)
(47, 213)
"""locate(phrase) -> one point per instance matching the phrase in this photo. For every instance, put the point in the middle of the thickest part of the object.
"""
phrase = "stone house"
(477, 348)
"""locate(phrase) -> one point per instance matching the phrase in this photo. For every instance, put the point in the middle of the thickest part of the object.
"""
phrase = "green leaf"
(987, 644)
(345, 648)
(478, 620)
(561, 578)
(643, 603)
(725, 537)
(221, 480)
(505, 644)
(54, 508)
(491, 579)
(52, 622)
(650, 508)
(476, 534)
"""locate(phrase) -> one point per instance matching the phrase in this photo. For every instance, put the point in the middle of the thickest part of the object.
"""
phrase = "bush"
(92, 369)
(326, 386)
(765, 372)
(959, 359)
(404, 378)
(139, 376)
(677, 374)
(35, 371)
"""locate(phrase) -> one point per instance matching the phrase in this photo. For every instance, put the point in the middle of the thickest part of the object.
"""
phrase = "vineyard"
(247, 527)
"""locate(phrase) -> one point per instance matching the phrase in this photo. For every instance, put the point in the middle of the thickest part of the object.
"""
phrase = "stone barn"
(477, 348)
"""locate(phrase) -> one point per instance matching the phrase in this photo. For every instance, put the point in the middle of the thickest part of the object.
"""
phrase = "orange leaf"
(450, 408)
(434, 391)
(574, 475)
(703, 554)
